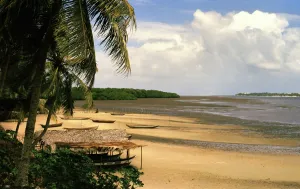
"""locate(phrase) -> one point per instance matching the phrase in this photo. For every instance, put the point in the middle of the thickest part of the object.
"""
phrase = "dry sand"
(174, 166)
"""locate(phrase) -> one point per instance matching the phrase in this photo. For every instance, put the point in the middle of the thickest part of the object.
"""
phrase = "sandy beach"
(181, 153)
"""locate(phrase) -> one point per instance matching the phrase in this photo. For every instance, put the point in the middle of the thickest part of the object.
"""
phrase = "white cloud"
(214, 54)
(290, 17)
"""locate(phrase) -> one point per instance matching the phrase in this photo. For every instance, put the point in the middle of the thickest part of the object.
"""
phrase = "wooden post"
(141, 157)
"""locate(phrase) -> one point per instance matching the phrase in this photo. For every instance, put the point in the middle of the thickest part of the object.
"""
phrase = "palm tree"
(61, 75)
(41, 21)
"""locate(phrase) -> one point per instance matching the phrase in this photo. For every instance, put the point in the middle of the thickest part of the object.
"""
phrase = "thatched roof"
(120, 144)
(83, 136)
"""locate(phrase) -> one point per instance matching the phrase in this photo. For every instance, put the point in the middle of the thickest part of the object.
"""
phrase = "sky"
(210, 47)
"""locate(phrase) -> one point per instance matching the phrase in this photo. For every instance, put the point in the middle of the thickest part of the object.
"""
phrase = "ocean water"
(268, 109)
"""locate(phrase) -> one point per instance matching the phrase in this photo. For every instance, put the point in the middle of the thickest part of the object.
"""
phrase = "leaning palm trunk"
(46, 126)
(22, 177)
(112, 17)
(20, 119)
(40, 61)
(3, 74)
(17, 128)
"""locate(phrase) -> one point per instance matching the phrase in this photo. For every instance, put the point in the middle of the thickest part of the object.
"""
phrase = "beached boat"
(52, 125)
(140, 126)
(117, 114)
(75, 118)
(103, 121)
(129, 137)
(115, 163)
(104, 157)
(82, 128)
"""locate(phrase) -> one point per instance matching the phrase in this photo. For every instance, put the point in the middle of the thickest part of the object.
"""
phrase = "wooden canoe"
(104, 157)
(82, 128)
(103, 121)
(129, 137)
(117, 114)
(134, 126)
(115, 163)
(75, 118)
(53, 125)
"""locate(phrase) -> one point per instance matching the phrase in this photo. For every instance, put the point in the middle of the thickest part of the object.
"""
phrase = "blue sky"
(194, 47)
(180, 11)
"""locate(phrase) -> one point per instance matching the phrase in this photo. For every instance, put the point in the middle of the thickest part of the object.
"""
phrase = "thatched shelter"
(107, 140)
(83, 136)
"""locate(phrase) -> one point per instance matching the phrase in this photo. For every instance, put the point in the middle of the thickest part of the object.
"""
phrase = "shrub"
(67, 169)
(10, 150)
(63, 169)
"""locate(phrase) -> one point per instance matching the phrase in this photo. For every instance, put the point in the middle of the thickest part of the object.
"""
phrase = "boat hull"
(81, 128)
(142, 126)
(75, 118)
(53, 125)
(103, 121)
(119, 114)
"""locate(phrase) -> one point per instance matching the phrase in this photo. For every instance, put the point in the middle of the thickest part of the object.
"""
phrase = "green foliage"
(66, 169)
(34, 31)
(63, 169)
(124, 178)
(122, 94)
(269, 94)
(77, 94)
(10, 149)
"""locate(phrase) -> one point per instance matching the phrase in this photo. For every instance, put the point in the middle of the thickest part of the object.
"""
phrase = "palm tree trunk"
(39, 60)
(3, 74)
(23, 166)
(20, 119)
(17, 128)
(45, 128)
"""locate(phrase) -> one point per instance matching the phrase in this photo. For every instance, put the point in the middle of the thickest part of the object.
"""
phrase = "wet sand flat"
(175, 165)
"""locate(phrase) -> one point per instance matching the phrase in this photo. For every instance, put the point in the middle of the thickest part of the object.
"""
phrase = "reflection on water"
(274, 109)
(265, 109)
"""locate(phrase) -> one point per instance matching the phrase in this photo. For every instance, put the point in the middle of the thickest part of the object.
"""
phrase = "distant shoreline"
(294, 95)
(271, 96)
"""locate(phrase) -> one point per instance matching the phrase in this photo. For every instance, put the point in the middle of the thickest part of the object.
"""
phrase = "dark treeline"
(122, 94)
(268, 94)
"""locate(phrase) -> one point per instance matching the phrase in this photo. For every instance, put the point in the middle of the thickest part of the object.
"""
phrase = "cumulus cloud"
(213, 54)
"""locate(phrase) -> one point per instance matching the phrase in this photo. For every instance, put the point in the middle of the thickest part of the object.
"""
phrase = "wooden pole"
(141, 157)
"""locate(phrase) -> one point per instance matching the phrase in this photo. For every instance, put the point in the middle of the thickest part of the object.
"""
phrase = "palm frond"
(112, 18)
(76, 39)
(53, 83)
(82, 85)
(68, 102)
